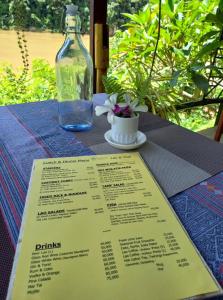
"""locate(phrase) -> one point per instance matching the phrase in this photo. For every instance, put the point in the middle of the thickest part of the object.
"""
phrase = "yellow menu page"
(99, 228)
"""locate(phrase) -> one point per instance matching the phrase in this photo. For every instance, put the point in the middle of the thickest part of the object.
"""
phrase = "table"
(188, 167)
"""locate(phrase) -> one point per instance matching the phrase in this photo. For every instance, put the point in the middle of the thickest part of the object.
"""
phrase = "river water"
(40, 45)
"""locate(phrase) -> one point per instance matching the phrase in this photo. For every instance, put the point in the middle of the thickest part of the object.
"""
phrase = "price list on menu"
(100, 228)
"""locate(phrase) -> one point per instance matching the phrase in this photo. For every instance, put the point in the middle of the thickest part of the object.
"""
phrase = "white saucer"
(140, 140)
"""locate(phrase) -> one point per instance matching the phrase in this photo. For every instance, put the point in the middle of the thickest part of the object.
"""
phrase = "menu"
(100, 228)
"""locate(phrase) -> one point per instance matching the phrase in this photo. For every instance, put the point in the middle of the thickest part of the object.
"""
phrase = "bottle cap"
(71, 9)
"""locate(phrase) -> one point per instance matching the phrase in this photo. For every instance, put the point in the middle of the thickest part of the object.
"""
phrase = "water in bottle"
(74, 76)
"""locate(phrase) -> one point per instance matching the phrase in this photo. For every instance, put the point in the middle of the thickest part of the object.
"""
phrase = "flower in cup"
(127, 109)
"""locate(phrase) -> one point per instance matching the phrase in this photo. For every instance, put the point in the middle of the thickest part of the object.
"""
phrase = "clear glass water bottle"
(74, 76)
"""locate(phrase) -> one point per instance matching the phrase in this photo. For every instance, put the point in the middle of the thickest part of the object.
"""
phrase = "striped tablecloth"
(187, 166)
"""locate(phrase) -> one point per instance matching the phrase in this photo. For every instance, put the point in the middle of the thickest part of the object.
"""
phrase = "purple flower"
(126, 112)
(122, 111)
(117, 110)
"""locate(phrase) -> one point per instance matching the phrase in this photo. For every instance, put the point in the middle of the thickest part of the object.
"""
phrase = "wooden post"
(99, 35)
(219, 129)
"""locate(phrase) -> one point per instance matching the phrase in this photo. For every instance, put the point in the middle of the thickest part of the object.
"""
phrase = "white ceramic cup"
(124, 130)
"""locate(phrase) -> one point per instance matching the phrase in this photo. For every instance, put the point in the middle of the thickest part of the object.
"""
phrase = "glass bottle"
(74, 77)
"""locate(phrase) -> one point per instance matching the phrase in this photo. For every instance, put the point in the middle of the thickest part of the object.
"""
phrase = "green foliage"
(180, 71)
(116, 9)
(39, 84)
(4, 14)
(22, 43)
(112, 86)
(46, 14)
(40, 14)
(198, 118)
(212, 43)
(20, 16)
(19, 13)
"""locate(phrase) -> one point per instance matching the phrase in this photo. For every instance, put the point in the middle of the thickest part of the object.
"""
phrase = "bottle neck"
(73, 25)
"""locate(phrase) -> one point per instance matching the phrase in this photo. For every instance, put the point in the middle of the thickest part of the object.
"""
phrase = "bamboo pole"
(98, 15)
(101, 54)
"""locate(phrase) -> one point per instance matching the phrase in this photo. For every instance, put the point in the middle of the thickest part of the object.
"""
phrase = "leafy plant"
(20, 13)
(180, 70)
(212, 50)
(112, 85)
(39, 84)
(116, 8)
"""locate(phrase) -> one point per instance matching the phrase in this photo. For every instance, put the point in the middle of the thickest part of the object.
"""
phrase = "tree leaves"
(217, 18)
(200, 81)
(220, 5)
(171, 5)
(174, 79)
(208, 48)
(209, 35)
(186, 43)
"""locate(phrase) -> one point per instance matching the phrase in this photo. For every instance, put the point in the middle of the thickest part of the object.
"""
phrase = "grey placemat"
(173, 173)
(190, 146)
